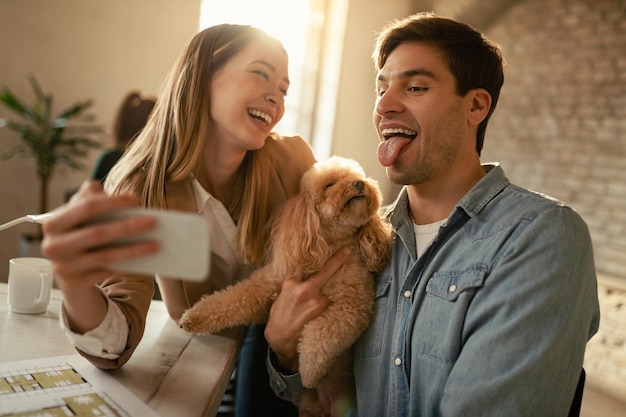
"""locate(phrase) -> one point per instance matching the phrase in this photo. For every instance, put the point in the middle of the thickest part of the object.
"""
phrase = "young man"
(490, 298)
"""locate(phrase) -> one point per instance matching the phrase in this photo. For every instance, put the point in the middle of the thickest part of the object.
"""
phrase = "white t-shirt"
(425, 234)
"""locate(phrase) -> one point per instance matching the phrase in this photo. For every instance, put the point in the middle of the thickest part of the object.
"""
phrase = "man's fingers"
(299, 301)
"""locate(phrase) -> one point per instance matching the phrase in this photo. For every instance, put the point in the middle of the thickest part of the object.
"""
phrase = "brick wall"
(561, 125)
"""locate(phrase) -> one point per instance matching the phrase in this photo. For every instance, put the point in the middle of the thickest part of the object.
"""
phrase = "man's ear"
(480, 103)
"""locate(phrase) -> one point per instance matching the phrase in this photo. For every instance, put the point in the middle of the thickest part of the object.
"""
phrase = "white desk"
(172, 371)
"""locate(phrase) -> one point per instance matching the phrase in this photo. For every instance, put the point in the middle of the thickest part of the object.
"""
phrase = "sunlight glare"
(286, 20)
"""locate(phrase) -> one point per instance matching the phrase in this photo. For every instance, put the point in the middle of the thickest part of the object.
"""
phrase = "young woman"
(209, 148)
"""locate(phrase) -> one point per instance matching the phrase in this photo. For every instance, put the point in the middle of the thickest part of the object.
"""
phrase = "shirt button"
(452, 288)
(407, 294)
(397, 361)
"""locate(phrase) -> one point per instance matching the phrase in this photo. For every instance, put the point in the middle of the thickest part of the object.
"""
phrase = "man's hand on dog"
(299, 301)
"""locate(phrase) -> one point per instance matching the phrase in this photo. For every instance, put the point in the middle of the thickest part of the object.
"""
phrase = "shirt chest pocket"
(439, 320)
(449, 285)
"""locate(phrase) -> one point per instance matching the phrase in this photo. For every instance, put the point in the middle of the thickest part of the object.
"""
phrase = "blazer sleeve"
(132, 294)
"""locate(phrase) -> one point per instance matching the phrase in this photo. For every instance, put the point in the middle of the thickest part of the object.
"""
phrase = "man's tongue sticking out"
(388, 150)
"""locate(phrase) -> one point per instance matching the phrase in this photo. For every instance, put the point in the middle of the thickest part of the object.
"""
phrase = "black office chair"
(574, 410)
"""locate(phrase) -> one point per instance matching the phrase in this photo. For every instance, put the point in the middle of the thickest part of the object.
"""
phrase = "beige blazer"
(290, 158)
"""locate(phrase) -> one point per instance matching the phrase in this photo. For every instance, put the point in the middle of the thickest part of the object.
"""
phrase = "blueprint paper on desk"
(64, 385)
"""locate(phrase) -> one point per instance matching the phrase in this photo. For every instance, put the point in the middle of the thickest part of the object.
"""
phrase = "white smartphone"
(184, 239)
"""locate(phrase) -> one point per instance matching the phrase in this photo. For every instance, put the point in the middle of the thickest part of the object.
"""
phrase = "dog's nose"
(359, 185)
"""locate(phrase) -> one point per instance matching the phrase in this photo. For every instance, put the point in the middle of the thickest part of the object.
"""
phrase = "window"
(312, 33)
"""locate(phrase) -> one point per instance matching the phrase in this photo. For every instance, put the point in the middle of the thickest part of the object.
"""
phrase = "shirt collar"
(484, 190)
(202, 196)
(472, 203)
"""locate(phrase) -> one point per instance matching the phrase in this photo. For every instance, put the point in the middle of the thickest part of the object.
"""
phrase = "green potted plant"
(50, 141)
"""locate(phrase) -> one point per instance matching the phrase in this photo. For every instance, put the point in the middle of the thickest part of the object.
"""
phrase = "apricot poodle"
(338, 206)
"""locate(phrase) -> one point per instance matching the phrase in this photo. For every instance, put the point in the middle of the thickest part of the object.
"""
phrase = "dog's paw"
(195, 322)
(190, 323)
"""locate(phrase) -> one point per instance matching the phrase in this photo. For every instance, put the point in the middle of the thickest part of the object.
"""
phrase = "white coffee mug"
(30, 283)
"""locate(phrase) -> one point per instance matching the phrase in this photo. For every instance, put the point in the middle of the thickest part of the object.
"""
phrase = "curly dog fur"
(338, 206)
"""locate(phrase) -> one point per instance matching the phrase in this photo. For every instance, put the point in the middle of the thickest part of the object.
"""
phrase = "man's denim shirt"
(492, 320)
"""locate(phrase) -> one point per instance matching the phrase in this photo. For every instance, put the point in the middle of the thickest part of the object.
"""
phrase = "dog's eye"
(330, 184)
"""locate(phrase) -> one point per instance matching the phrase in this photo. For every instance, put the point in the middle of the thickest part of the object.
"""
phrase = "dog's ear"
(297, 242)
(375, 243)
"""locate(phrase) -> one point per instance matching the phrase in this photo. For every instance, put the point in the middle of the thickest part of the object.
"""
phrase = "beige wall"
(565, 139)
(80, 50)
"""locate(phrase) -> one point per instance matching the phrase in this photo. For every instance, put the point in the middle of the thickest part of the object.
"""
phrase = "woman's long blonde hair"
(171, 146)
